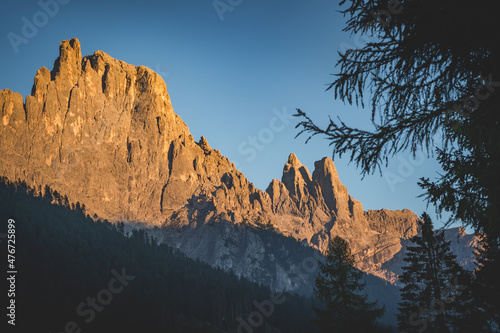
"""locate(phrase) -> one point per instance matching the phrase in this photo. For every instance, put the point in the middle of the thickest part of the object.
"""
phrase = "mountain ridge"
(104, 133)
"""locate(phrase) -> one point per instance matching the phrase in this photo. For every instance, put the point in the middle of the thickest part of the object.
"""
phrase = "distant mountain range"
(104, 133)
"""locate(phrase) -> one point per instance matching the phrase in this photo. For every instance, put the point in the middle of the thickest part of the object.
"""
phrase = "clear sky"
(235, 71)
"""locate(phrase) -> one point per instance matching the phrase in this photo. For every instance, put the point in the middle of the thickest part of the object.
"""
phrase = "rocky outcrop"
(401, 223)
(316, 208)
(104, 133)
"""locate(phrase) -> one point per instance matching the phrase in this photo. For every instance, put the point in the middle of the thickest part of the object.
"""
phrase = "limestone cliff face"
(104, 133)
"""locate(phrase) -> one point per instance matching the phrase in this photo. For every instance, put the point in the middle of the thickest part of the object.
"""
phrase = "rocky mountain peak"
(334, 193)
(97, 130)
(325, 168)
(103, 133)
(293, 160)
(296, 178)
(69, 63)
(203, 143)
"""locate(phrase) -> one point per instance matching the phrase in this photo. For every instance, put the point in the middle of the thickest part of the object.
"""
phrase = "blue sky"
(233, 76)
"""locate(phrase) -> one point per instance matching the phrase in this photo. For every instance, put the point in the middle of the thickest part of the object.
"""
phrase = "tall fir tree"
(338, 287)
(430, 78)
(484, 315)
(435, 296)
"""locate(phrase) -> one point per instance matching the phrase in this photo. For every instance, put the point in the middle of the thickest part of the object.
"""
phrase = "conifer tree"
(431, 82)
(433, 297)
(484, 315)
(339, 288)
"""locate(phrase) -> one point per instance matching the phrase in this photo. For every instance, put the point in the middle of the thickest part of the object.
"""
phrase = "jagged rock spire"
(296, 177)
(69, 63)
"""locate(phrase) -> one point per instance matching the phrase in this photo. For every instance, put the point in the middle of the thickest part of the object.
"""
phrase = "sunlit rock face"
(104, 133)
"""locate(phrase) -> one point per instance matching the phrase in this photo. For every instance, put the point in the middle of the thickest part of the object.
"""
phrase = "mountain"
(461, 244)
(104, 134)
